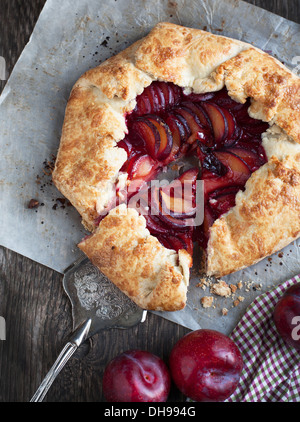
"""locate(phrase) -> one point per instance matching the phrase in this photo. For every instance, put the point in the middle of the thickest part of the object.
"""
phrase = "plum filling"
(166, 125)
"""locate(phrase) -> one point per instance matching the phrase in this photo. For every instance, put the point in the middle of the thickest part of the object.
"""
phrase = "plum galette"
(181, 93)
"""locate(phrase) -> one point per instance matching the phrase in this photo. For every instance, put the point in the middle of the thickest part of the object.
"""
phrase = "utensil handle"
(78, 337)
(60, 362)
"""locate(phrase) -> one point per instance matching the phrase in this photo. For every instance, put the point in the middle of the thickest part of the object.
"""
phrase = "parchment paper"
(69, 38)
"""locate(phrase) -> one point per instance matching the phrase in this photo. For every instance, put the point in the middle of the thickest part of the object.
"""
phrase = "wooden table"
(32, 301)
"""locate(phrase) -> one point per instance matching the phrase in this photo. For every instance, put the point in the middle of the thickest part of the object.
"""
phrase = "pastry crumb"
(224, 311)
(233, 288)
(207, 301)
(221, 288)
(238, 301)
(204, 282)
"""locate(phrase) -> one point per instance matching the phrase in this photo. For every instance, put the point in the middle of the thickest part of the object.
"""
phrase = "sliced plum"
(141, 167)
(155, 226)
(177, 136)
(211, 164)
(168, 124)
(177, 242)
(191, 118)
(157, 97)
(175, 93)
(218, 121)
(177, 203)
(222, 200)
(225, 101)
(148, 134)
(237, 173)
(200, 97)
(252, 159)
(182, 129)
(233, 131)
(200, 113)
(126, 144)
(165, 137)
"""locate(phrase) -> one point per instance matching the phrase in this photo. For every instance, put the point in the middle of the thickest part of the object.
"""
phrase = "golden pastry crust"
(154, 277)
(88, 161)
(266, 218)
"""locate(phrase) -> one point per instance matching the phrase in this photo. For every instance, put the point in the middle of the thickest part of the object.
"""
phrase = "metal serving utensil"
(97, 304)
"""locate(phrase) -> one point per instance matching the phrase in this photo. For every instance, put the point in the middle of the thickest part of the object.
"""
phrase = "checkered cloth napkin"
(272, 369)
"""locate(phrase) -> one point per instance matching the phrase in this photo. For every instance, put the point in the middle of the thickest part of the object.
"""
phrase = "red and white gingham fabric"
(272, 369)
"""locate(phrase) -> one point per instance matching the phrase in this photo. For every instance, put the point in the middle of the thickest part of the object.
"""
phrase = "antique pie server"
(97, 304)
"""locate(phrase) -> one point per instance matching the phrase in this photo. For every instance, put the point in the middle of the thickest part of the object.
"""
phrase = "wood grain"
(37, 312)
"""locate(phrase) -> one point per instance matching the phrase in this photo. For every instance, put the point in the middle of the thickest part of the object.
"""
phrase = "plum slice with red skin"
(142, 204)
(148, 134)
(172, 242)
(162, 99)
(178, 129)
(163, 215)
(254, 146)
(177, 242)
(141, 166)
(223, 200)
(182, 241)
(178, 198)
(175, 93)
(237, 175)
(191, 118)
(233, 131)
(164, 89)
(255, 129)
(157, 97)
(200, 97)
(127, 145)
(154, 98)
(189, 175)
(143, 104)
(225, 101)
(200, 113)
(218, 121)
(177, 136)
(154, 225)
(131, 152)
(170, 203)
(184, 124)
(180, 126)
(177, 206)
(165, 135)
(147, 105)
(252, 159)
